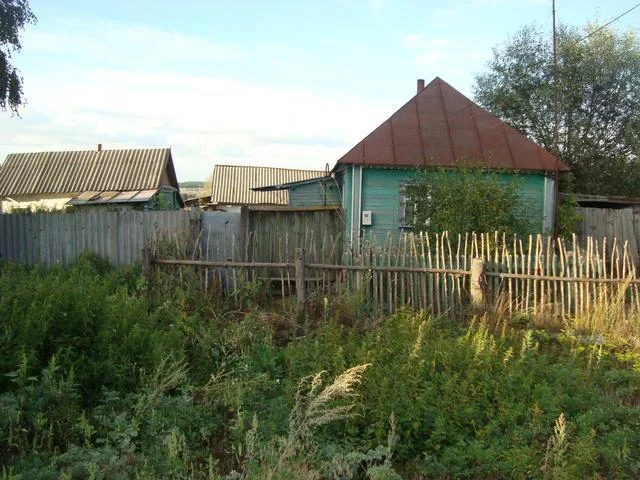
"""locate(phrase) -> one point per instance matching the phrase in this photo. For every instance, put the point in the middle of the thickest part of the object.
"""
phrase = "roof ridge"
(271, 168)
(88, 151)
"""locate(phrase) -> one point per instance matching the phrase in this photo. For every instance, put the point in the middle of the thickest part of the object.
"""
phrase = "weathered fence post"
(147, 267)
(478, 286)
(300, 280)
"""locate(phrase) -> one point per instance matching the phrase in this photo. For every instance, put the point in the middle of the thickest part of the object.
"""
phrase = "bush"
(104, 379)
(470, 404)
(89, 317)
(466, 200)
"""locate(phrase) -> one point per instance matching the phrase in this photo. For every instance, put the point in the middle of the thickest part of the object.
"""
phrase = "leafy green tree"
(14, 16)
(598, 100)
(465, 200)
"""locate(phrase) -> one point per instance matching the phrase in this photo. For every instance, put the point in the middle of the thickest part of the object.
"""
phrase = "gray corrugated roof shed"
(232, 184)
(77, 171)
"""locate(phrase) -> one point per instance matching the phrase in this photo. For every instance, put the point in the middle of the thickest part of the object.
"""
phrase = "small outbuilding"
(241, 185)
(107, 179)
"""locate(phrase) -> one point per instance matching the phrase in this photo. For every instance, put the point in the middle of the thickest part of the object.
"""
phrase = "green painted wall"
(381, 195)
(314, 194)
(164, 201)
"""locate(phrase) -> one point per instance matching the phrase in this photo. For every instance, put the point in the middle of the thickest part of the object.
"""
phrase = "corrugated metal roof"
(93, 170)
(232, 184)
(442, 127)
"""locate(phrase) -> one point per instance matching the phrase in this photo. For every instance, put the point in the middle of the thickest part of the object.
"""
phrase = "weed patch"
(105, 376)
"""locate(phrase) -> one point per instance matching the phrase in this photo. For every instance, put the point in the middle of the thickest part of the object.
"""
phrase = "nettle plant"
(465, 200)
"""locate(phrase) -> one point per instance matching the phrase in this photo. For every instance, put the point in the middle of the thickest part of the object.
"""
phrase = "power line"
(432, 125)
(608, 23)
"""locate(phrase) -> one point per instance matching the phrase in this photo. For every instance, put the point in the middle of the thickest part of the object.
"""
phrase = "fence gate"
(273, 234)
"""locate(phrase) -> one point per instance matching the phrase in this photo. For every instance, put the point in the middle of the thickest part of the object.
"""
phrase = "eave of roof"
(97, 198)
(582, 198)
(287, 186)
(439, 126)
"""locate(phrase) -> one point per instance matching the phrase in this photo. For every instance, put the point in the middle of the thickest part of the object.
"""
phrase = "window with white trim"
(409, 208)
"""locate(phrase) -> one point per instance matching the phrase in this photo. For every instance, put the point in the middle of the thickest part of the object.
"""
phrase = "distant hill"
(191, 189)
(191, 185)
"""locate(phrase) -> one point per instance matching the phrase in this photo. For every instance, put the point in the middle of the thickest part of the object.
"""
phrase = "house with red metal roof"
(437, 128)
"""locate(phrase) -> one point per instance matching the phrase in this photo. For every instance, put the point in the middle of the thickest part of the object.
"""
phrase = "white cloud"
(207, 119)
(413, 39)
(130, 46)
(506, 3)
(418, 40)
(429, 50)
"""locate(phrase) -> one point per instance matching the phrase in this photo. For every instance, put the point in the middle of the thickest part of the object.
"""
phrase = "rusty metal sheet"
(92, 197)
(124, 196)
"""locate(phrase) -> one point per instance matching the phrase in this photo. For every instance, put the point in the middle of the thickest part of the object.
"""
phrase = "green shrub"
(466, 200)
(104, 378)
(472, 405)
(89, 317)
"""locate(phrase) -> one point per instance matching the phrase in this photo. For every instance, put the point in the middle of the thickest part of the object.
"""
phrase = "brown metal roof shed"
(439, 126)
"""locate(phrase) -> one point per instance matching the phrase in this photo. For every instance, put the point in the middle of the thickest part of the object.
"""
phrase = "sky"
(292, 84)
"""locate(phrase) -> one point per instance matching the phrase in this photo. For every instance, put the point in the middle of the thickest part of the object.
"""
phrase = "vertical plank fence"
(49, 239)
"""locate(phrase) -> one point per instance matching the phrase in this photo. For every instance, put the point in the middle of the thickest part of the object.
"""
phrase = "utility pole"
(556, 173)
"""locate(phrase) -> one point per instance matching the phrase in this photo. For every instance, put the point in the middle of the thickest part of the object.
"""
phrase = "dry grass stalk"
(315, 406)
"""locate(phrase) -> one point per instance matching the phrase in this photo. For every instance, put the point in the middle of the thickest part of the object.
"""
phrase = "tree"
(14, 16)
(465, 200)
(207, 187)
(598, 101)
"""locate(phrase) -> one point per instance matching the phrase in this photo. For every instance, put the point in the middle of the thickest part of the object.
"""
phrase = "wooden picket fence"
(537, 275)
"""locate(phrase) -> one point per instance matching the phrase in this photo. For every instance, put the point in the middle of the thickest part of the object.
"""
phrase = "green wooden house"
(438, 127)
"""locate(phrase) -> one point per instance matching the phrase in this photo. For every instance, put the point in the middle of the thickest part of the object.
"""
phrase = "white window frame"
(405, 202)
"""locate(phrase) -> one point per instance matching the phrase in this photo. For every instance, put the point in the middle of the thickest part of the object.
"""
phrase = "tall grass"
(609, 317)
(104, 378)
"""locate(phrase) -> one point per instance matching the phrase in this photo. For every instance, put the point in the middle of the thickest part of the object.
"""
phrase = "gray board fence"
(622, 223)
(49, 239)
